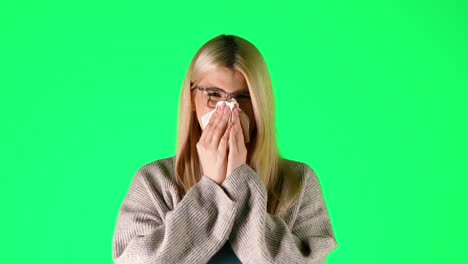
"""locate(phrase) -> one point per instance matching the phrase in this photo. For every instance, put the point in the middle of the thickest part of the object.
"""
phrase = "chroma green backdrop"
(371, 94)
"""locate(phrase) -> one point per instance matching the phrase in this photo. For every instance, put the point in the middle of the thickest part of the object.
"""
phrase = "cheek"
(251, 119)
(251, 116)
(200, 118)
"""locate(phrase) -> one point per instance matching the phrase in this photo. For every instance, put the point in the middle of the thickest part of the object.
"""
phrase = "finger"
(240, 134)
(223, 143)
(235, 116)
(207, 128)
(232, 138)
(208, 131)
(220, 126)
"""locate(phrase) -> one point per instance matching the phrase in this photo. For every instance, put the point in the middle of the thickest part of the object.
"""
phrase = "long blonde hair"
(234, 52)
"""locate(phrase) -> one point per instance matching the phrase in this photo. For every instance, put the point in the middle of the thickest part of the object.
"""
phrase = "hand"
(237, 150)
(212, 146)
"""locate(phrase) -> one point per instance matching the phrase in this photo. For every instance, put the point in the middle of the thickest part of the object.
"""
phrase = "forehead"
(225, 78)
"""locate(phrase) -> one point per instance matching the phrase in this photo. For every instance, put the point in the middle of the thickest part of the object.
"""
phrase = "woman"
(227, 196)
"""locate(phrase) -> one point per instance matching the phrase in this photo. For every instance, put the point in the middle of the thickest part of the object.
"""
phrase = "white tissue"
(206, 118)
(244, 118)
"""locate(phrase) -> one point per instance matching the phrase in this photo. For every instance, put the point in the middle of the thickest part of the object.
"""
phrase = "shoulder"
(164, 166)
(299, 168)
(311, 190)
(151, 188)
(305, 177)
(156, 176)
(157, 172)
(155, 181)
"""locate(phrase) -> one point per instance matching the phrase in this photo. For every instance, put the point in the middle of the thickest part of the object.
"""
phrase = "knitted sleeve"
(259, 237)
(147, 232)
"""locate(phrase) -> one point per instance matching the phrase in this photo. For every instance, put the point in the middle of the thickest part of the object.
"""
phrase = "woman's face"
(229, 80)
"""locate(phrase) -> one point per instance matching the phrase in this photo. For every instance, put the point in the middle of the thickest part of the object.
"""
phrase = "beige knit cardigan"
(155, 226)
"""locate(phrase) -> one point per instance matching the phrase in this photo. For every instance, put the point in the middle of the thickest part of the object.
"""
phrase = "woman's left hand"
(237, 149)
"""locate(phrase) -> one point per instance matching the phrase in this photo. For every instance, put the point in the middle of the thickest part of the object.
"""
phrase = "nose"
(228, 97)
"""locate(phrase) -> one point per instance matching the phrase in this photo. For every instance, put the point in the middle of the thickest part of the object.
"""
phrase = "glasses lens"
(212, 96)
(243, 98)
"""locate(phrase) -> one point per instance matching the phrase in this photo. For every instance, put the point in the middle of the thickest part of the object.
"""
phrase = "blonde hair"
(234, 52)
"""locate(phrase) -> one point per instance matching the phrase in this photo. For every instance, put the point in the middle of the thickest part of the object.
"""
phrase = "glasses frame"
(230, 95)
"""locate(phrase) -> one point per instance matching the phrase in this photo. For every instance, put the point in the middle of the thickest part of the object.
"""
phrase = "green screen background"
(371, 94)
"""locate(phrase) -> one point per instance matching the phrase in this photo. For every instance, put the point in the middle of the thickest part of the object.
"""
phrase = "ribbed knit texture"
(155, 226)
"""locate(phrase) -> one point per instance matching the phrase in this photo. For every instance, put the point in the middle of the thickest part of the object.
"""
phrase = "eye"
(215, 94)
(243, 97)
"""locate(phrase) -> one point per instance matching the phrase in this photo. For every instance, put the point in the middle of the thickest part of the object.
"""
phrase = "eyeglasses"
(212, 95)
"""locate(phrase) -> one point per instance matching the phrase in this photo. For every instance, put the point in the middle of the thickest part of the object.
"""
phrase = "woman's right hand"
(213, 143)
